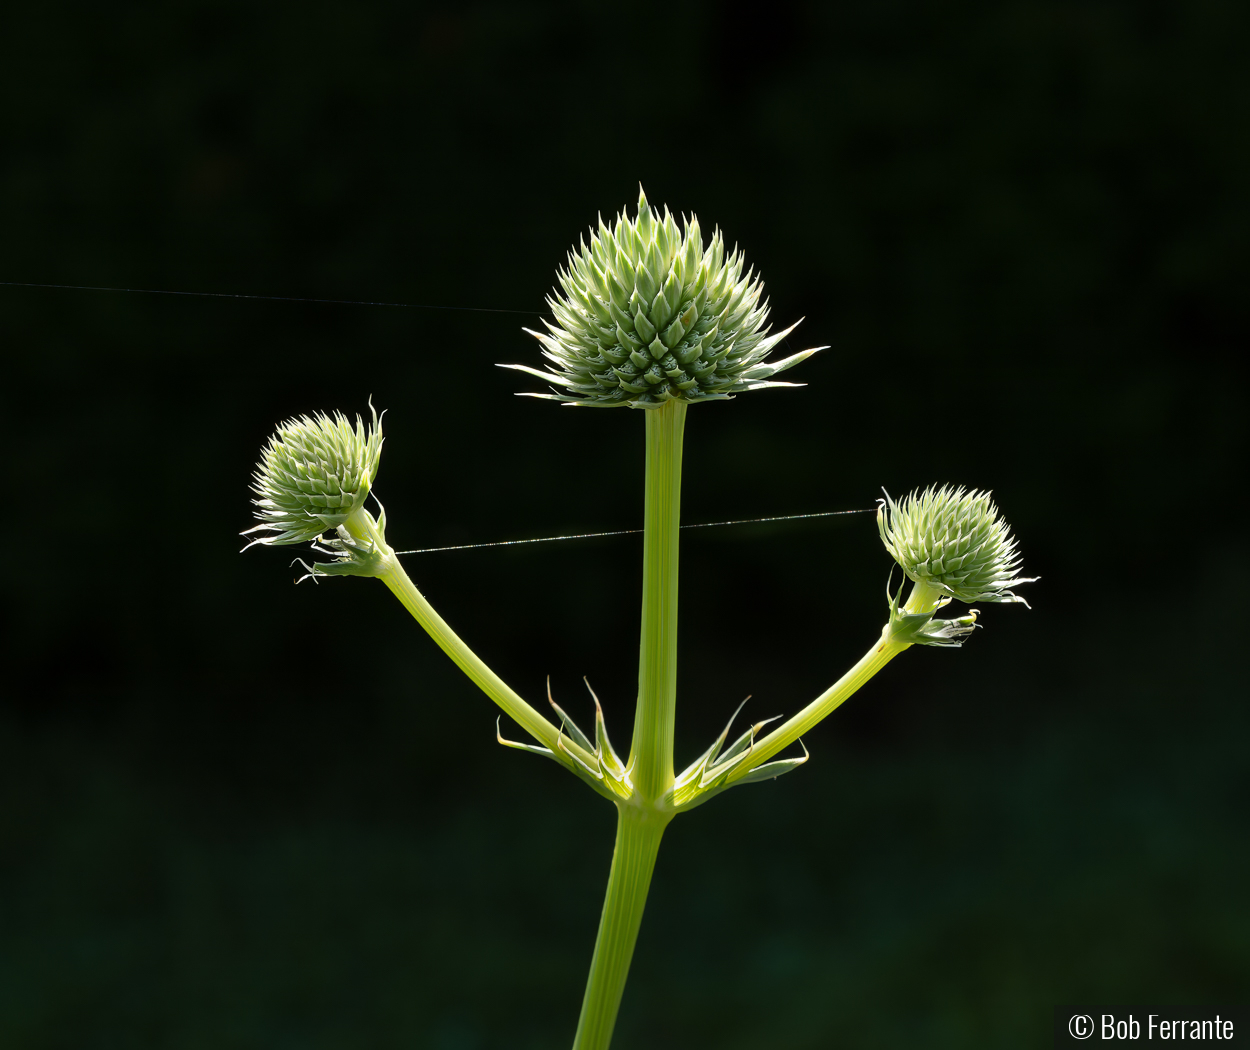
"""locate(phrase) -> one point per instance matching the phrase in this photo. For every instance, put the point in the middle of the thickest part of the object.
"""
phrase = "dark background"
(234, 813)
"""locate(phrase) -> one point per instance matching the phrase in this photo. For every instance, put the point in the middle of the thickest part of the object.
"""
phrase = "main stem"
(643, 818)
(652, 751)
(638, 833)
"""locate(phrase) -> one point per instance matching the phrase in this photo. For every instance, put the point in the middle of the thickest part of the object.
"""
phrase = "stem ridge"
(638, 834)
(652, 747)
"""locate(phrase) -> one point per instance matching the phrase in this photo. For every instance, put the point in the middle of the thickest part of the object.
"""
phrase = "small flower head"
(650, 314)
(953, 540)
(313, 475)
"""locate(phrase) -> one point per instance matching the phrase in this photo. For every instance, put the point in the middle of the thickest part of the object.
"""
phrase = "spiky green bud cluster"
(314, 473)
(953, 540)
(649, 314)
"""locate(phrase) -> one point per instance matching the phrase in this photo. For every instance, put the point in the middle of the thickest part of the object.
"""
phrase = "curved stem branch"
(923, 598)
(468, 661)
(362, 526)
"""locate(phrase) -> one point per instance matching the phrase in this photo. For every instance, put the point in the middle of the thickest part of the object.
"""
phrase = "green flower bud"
(953, 541)
(313, 475)
(682, 313)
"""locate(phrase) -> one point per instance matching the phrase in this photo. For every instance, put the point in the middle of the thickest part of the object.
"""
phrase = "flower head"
(953, 540)
(314, 473)
(649, 314)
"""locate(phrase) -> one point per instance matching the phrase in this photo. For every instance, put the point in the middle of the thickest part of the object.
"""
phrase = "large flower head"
(649, 314)
(953, 539)
(314, 473)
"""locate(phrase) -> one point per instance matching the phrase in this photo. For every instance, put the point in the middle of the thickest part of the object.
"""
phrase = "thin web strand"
(630, 532)
(271, 298)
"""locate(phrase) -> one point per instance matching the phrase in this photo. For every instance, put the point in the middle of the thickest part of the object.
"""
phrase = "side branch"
(923, 601)
(472, 665)
(824, 705)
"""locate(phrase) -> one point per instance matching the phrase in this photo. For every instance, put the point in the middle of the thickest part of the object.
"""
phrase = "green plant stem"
(923, 598)
(364, 528)
(467, 660)
(652, 749)
(642, 819)
(638, 833)
(824, 705)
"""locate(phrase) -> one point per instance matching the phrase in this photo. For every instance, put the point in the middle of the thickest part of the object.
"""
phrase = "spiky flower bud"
(952, 540)
(313, 475)
(649, 314)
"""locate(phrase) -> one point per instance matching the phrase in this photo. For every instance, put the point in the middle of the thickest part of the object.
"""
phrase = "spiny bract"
(313, 474)
(953, 539)
(649, 315)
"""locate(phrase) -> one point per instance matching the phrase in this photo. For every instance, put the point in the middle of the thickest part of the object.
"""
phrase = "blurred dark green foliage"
(237, 814)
